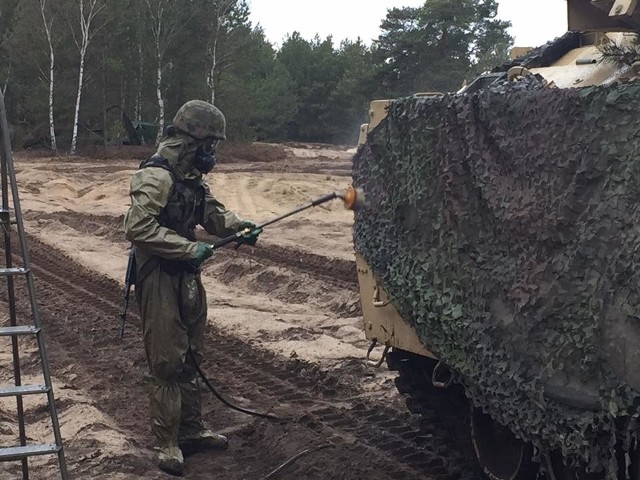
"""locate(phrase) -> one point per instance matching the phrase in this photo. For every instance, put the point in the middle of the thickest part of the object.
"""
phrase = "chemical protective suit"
(168, 199)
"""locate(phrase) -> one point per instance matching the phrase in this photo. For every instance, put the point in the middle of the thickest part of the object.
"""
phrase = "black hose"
(224, 400)
(255, 414)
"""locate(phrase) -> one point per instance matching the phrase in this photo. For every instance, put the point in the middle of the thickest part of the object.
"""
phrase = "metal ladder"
(22, 451)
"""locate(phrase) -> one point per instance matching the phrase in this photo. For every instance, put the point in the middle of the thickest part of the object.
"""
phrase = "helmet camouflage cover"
(201, 120)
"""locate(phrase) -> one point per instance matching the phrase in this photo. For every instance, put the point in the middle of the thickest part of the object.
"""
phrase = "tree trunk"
(211, 80)
(74, 138)
(6, 81)
(160, 104)
(85, 29)
(213, 53)
(52, 128)
(104, 100)
(123, 90)
(138, 108)
(48, 27)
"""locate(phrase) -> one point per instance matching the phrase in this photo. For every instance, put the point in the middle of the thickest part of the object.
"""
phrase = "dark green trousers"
(173, 308)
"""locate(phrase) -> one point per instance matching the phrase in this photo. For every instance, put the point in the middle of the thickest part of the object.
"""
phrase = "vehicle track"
(80, 308)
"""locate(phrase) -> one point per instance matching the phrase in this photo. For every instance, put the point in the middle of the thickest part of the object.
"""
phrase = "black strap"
(157, 160)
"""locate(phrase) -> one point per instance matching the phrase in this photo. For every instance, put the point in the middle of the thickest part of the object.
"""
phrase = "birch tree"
(166, 21)
(140, 73)
(227, 16)
(88, 10)
(48, 27)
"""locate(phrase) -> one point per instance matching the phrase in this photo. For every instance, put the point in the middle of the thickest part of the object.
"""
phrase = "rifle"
(129, 281)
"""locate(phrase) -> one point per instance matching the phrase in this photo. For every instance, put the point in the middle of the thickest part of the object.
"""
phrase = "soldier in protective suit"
(168, 199)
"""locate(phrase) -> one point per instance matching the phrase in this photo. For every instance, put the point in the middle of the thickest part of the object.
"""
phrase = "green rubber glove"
(203, 251)
(250, 237)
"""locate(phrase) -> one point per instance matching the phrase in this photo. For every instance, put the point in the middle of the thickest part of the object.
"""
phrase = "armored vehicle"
(499, 256)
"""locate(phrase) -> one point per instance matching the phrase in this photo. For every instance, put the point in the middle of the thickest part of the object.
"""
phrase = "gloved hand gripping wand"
(353, 199)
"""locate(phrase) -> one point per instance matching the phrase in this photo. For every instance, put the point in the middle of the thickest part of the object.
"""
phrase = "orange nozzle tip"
(350, 198)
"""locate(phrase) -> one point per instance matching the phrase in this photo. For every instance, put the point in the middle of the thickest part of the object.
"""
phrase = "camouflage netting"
(546, 54)
(505, 227)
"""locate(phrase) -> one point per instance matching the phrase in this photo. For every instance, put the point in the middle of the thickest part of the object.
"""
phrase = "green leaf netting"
(505, 227)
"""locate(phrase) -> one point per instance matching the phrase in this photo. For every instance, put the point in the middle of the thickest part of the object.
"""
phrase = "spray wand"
(353, 199)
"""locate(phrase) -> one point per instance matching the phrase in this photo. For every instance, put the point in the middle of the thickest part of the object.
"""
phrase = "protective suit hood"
(179, 149)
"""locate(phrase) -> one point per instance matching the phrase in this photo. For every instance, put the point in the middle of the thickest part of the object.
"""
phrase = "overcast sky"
(534, 22)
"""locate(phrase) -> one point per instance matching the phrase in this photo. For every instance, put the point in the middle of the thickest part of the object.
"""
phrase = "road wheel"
(500, 454)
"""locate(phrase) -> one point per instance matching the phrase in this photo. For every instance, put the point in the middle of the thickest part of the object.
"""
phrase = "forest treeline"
(70, 69)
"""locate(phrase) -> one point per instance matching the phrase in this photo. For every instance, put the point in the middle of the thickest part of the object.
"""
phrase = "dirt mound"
(250, 152)
(229, 152)
(112, 152)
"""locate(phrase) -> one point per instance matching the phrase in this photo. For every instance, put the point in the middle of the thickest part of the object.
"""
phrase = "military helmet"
(201, 120)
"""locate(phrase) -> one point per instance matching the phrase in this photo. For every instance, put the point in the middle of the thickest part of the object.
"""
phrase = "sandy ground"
(294, 295)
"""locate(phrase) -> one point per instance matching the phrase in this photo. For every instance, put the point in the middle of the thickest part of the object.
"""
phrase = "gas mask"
(205, 158)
